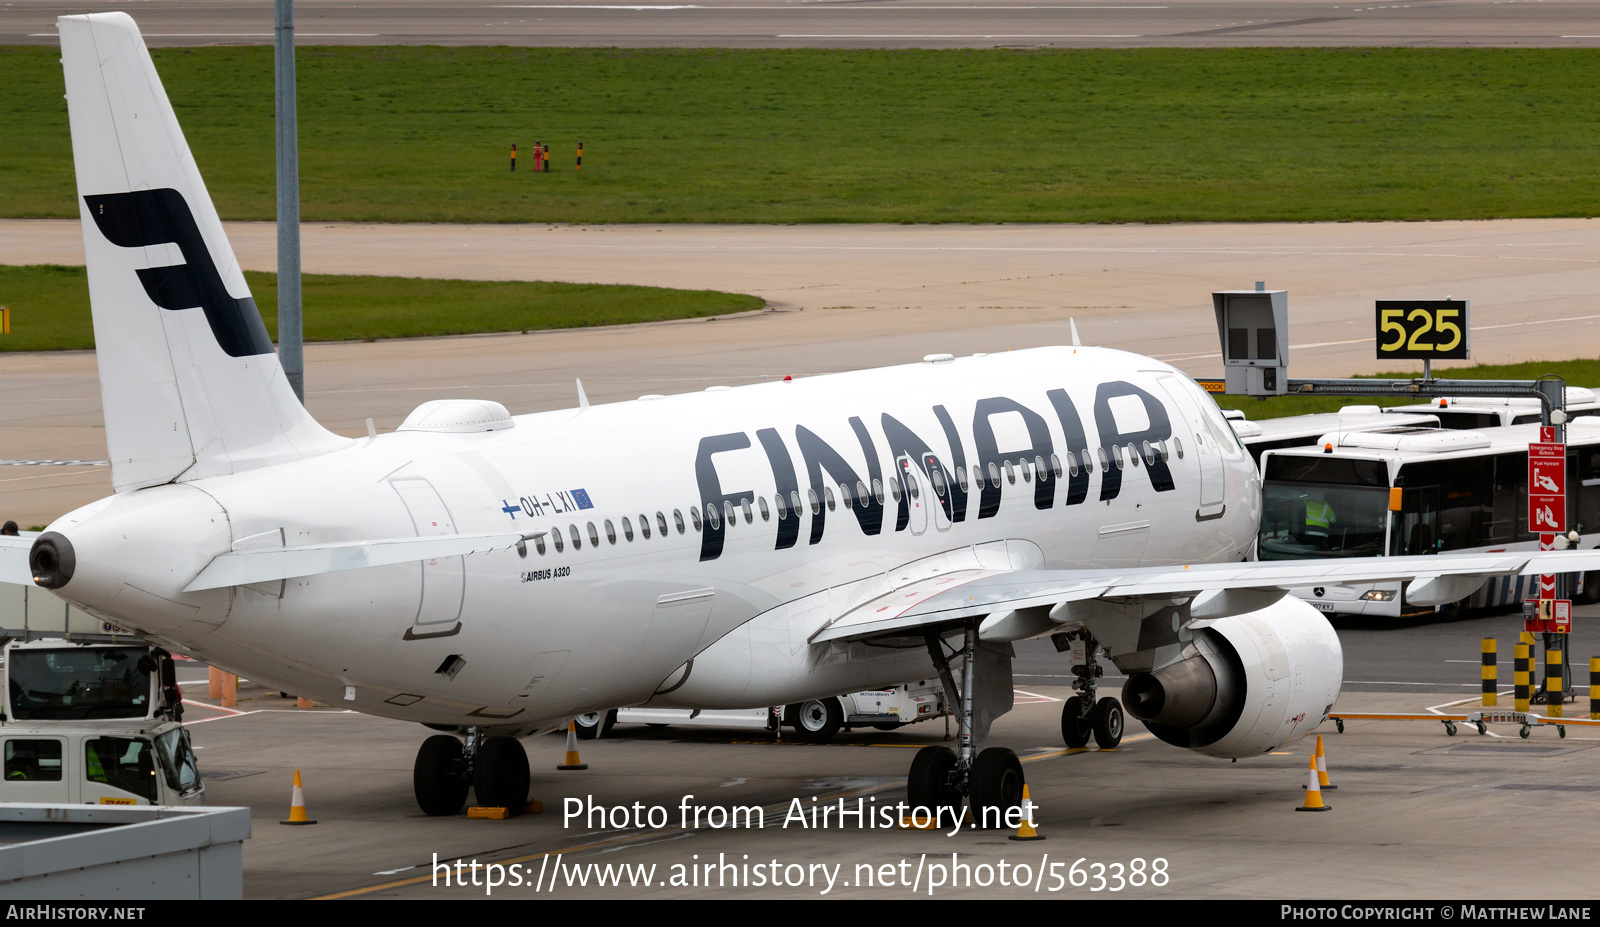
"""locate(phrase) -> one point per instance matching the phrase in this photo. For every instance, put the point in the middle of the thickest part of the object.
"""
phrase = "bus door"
(1415, 528)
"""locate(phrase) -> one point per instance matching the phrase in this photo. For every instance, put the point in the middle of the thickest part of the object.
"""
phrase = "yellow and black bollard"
(1594, 680)
(1491, 670)
(513, 157)
(580, 156)
(1552, 682)
(1521, 678)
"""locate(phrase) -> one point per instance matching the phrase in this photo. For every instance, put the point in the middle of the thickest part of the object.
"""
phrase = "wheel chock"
(1313, 791)
(1026, 831)
(572, 761)
(485, 813)
(297, 805)
(533, 807)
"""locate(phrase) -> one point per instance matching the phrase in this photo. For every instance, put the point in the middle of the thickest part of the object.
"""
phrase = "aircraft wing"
(1031, 603)
(14, 560)
(264, 564)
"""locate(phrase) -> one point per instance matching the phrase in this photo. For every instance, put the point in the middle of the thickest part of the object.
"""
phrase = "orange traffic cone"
(297, 805)
(1322, 768)
(572, 761)
(1313, 791)
(1026, 831)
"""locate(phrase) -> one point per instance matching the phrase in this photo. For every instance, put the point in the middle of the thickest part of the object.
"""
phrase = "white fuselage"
(510, 639)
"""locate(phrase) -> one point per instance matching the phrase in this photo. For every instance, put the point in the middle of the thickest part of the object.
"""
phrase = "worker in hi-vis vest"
(1319, 516)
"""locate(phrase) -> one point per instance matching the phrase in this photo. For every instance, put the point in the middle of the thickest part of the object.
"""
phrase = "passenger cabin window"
(644, 526)
(661, 522)
(677, 519)
(816, 505)
(627, 528)
(994, 476)
(711, 516)
(538, 545)
(694, 516)
(828, 491)
(766, 514)
(555, 536)
(611, 531)
(961, 479)
(748, 517)
(577, 542)
(594, 536)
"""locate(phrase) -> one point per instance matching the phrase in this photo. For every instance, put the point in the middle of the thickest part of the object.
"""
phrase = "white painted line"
(232, 35)
(946, 36)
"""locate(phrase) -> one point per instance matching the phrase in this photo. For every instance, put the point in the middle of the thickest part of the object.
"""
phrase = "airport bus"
(1487, 412)
(1460, 490)
(1304, 430)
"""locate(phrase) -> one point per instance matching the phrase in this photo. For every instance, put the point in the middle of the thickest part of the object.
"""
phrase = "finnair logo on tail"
(157, 217)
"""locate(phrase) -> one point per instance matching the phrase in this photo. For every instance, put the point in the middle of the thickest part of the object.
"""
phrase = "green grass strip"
(809, 135)
(1581, 372)
(50, 306)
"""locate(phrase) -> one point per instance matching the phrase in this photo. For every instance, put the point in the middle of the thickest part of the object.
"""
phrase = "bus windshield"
(80, 684)
(1323, 507)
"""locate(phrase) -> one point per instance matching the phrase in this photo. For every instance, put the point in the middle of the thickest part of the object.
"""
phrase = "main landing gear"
(496, 768)
(990, 781)
(1082, 715)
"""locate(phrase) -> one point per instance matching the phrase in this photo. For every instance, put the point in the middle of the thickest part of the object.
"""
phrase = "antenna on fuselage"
(1075, 342)
(583, 400)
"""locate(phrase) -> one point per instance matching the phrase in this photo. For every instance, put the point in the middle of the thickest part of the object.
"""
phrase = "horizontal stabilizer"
(260, 565)
(14, 561)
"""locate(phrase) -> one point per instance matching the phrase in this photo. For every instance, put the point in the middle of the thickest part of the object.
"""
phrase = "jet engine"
(1243, 685)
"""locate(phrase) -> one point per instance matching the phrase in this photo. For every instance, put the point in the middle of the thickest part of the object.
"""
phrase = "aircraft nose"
(52, 560)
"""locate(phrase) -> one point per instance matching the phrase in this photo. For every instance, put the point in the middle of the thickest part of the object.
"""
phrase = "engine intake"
(1245, 685)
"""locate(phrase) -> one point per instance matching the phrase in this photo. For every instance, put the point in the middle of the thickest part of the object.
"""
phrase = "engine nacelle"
(1245, 685)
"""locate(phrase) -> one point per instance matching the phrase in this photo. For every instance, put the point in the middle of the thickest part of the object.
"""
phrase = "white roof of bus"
(1439, 444)
(1578, 397)
(1349, 418)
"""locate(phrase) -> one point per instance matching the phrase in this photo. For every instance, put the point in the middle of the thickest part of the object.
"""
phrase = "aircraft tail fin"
(190, 384)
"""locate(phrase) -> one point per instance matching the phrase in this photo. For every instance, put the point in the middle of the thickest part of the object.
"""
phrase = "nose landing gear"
(990, 780)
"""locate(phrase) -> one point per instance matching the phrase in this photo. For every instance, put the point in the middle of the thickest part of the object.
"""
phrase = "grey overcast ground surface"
(1415, 808)
(852, 24)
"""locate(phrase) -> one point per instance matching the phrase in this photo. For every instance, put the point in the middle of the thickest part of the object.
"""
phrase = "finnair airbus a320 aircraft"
(492, 575)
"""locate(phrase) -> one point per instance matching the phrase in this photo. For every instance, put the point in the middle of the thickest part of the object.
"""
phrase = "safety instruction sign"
(1547, 488)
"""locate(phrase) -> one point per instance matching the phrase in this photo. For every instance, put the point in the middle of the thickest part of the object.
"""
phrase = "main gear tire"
(438, 776)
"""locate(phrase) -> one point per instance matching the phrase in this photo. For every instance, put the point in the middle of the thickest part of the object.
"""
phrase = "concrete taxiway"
(852, 23)
(841, 297)
(1414, 809)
